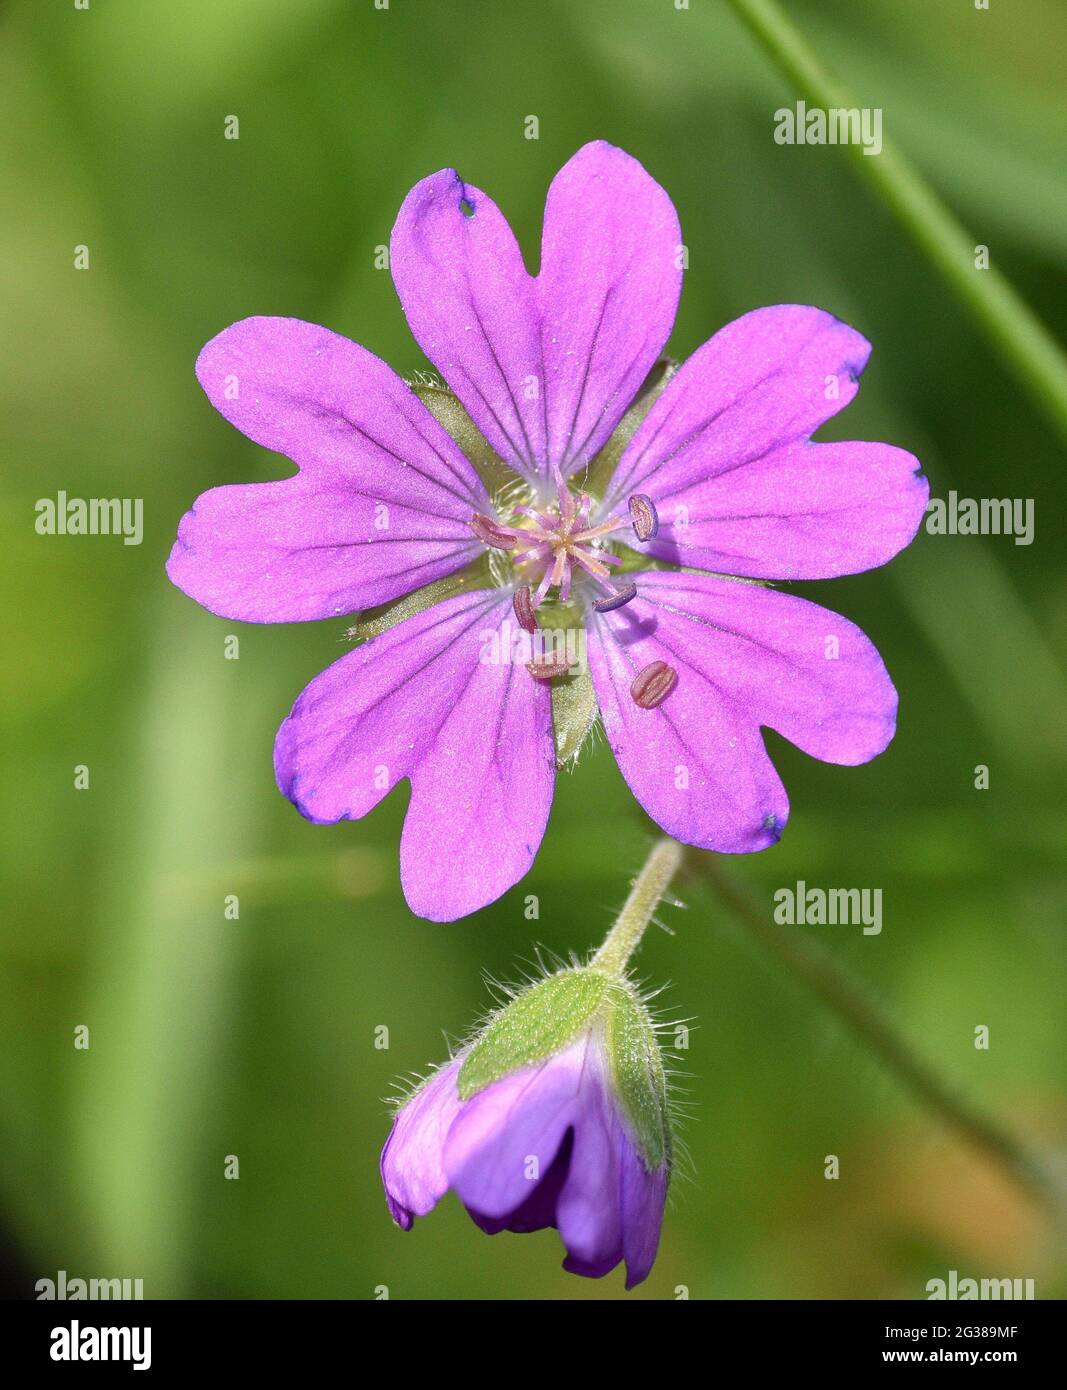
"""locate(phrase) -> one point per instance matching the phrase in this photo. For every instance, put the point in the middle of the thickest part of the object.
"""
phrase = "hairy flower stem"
(845, 997)
(649, 887)
(1014, 329)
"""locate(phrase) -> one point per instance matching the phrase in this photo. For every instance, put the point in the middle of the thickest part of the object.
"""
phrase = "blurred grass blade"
(1022, 340)
(160, 999)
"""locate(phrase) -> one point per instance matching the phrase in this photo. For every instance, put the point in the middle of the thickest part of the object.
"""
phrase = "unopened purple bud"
(554, 1115)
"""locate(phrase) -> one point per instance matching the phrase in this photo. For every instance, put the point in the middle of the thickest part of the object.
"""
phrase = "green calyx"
(574, 712)
(637, 1065)
(544, 1019)
(538, 1022)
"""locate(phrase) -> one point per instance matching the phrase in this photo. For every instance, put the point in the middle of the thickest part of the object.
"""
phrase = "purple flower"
(624, 480)
(577, 1139)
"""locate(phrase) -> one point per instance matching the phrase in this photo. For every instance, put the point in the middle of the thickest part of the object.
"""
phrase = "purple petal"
(380, 504)
(695, 763)
(412, 1174)
(505, 1139)
(724, 454)
(644, 1196)
(588, 1212)
(473, 735)
(546, 367)
(539, 1209)
(746, 656)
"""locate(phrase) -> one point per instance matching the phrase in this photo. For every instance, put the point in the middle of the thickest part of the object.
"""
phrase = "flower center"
(551, 545)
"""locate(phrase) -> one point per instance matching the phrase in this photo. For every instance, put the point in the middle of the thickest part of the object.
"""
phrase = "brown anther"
(617, 599)
(652, 684)
(524, 609)
(490, 532)
(643, 516)
(549, 667)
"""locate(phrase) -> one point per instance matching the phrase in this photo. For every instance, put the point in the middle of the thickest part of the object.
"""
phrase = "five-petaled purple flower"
(719, 478)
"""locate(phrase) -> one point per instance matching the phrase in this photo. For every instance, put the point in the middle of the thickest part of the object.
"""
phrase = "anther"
(617, 599)
(490, 532)
(643, 516)
(524, 609)
(652, 684)
(548, 667)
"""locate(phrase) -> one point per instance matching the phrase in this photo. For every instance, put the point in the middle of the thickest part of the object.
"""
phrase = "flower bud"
(555, 1114)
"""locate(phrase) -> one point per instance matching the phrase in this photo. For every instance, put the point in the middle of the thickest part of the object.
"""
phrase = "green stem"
(1022, 340)
(649, 887)
(845, 997)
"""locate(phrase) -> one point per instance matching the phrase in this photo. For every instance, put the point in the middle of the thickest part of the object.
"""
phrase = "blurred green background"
(256, 1037)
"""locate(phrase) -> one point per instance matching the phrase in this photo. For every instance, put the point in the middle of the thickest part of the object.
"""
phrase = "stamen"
(617, 600)
(490, 532)
(643, 516)
(524, 611)
(652, 684)
(549, 667)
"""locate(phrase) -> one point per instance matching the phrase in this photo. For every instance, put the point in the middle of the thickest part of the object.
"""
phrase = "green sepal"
(603, 466)
(448, 411)
(637, 1066)
(538, 1022)
(574, 712)
(372, 622)
(634, 560)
